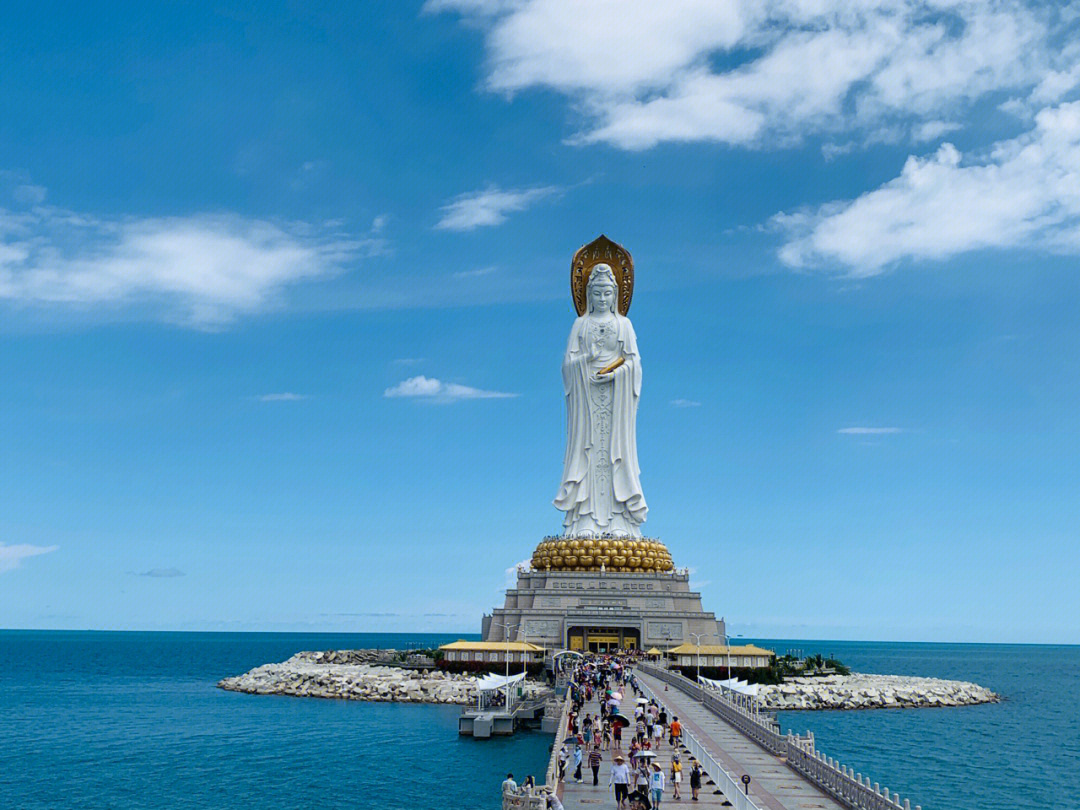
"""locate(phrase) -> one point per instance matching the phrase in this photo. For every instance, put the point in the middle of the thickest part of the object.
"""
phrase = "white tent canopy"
(492, 683)
(732, 684)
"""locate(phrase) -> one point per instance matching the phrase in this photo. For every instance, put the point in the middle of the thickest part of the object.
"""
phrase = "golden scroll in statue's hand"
(610, 368)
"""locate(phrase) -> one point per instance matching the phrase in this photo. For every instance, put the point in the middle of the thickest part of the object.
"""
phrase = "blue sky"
(283, 296)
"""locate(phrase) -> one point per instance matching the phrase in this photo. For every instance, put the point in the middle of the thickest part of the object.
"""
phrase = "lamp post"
(506, 632)
(727, 648)
(697, 637)
(524, 652)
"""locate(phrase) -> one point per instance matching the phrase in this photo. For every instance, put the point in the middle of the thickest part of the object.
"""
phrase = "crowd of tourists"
(631, 740)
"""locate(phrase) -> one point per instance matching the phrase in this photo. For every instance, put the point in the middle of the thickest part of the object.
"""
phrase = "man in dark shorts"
(620, 780)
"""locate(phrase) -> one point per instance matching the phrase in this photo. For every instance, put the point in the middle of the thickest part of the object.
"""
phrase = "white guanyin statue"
(601, 486)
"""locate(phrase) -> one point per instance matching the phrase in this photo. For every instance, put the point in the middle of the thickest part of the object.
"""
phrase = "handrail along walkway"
(537, 799)
(842, 783)
(724, 780)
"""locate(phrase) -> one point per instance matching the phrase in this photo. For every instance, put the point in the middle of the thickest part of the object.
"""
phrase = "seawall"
(865, 691)
(327, 675)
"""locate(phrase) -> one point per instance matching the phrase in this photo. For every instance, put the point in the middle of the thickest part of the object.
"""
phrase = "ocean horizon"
(133, 719)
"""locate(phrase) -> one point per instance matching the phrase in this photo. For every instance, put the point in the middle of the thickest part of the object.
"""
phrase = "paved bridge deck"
(774, 785)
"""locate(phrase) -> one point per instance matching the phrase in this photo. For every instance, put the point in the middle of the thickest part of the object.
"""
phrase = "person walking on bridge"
(641, 781)
(620, 780)
(657, 783)
(695, 779)
(595, 758)
(676, 732)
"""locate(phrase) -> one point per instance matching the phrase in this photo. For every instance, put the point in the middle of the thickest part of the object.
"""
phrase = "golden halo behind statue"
(602, 251)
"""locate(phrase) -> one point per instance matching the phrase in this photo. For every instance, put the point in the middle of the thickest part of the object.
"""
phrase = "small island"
(373, 675)
(413, 676)
(791, 682)
(859, 690)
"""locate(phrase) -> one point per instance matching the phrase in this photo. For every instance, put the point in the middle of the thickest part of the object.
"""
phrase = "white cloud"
(869, 431)
(284, 396)
(29, 194)
(435, 390)
(511, 574)
(20, 189)
(932, 130)
(480, 271)
(202, 270)
(685, 403)
(1024, 192)
(761, 73)
(489, 207)
(11, 556)
(697, 584)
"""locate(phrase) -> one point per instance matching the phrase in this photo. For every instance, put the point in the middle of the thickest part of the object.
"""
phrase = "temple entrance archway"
(603, 639)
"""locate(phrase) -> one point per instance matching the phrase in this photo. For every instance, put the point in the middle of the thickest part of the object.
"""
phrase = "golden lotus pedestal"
(628, 555)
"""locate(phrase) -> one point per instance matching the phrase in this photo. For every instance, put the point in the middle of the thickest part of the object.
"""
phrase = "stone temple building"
(603, 610)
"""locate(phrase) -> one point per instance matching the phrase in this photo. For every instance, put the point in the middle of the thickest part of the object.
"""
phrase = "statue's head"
(602, 289)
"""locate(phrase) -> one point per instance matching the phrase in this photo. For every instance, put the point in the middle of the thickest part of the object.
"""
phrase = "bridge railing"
(746, 718)
(842, 783)
(724, 780)
(536, 799)
(524, 801)
(551, 778)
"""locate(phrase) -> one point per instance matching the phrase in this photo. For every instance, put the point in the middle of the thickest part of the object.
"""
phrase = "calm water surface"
(1022, 754)
(133, 720)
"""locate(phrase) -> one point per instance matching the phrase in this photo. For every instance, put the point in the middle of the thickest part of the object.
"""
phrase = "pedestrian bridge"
(750, 764)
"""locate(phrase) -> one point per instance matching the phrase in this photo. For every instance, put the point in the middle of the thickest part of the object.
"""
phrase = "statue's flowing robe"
(578, 495)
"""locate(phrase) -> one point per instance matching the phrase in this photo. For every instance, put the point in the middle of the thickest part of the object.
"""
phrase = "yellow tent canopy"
(654, 651)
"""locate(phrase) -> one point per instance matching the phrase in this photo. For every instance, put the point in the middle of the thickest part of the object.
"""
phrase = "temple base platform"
(603, 611)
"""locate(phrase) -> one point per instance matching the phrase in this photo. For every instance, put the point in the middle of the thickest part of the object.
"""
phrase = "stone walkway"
(773, 786)
(579, 797)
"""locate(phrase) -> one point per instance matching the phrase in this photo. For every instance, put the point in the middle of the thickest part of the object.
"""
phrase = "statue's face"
(601, 298)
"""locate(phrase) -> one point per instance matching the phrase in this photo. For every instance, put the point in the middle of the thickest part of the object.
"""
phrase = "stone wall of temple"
(545, 606)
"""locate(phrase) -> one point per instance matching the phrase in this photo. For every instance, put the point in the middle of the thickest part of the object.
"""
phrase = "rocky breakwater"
(861, 691)
(344, 674)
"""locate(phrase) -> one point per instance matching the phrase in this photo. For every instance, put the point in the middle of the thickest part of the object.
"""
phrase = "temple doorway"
(603, 639)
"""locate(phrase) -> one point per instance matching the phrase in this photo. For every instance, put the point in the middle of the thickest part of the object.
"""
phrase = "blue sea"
(133, 720)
